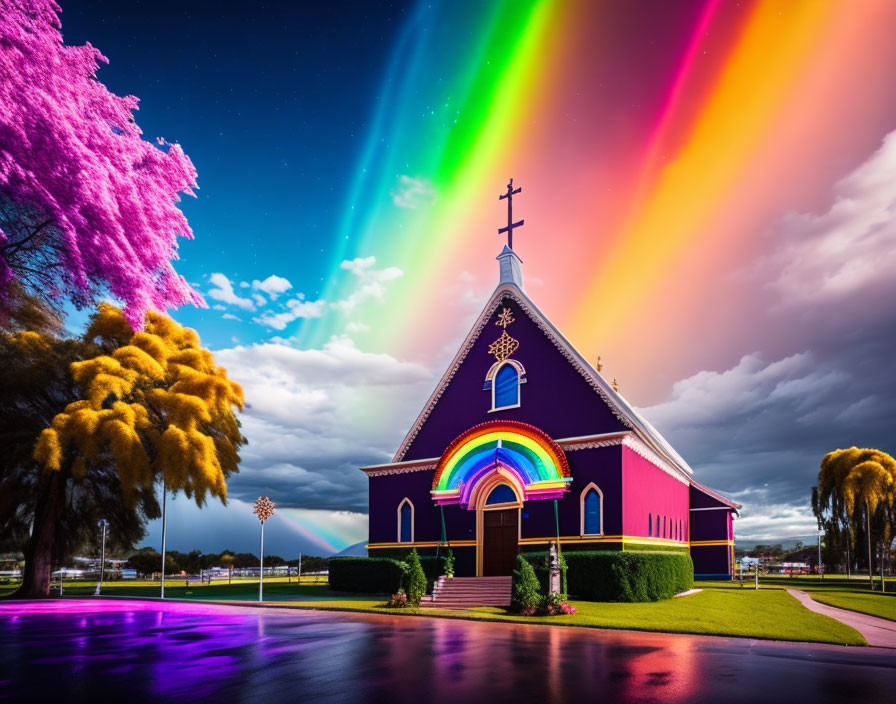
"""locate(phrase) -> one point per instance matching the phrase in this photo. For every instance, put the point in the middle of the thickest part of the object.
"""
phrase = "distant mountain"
(356, 550)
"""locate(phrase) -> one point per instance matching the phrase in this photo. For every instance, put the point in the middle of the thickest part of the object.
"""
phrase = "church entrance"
(500, 541)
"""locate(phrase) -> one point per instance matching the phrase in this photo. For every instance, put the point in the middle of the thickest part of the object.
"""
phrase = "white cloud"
(371, 281)
(354, 326)
(849, 248)
(244, 284)
(223, 291)
(411, 193)
(370, 284)
(231, 316)
(218, 306)
(273, 286)
(313, 417)
(295, 308)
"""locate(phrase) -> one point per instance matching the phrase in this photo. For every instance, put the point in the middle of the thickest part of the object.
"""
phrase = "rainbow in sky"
(655, 144)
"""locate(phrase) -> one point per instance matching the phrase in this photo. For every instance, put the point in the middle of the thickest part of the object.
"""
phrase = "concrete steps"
(467, 592)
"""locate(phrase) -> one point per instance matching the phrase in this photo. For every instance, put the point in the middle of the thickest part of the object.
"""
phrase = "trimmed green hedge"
(628, 576)
(367, 575)
(541, 563)
(379, 575)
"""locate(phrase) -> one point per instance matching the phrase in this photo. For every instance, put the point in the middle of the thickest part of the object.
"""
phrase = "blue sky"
(783, 350)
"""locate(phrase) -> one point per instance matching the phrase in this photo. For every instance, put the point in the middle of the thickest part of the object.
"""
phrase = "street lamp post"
(264, 509)
(99, 587)
(164, 534)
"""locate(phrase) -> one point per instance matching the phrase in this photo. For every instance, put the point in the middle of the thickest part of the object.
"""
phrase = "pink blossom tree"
(87, 206)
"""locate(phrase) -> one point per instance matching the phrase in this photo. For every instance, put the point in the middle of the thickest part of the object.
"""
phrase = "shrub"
(448, 568)
(541, 563)
(525, 597)
(416, 579)
(399, 600)
(628, 576)
(555, 605)
(367, 575)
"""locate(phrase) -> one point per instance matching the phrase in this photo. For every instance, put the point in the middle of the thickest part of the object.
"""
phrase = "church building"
(523, 442)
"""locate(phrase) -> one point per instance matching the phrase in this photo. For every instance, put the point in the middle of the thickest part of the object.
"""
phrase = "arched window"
(664, 526)
(650, 524)
(405, 521)
(592, 510)
(507, 387)
(501, 494)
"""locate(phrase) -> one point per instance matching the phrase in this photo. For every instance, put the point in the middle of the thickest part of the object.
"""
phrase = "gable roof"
(627, 415)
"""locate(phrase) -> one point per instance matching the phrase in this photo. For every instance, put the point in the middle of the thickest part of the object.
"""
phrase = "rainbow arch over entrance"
(532, 463)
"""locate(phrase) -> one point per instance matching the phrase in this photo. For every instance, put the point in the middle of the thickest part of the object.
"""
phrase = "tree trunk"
(39, 549)
(848, 568)
(868, 530)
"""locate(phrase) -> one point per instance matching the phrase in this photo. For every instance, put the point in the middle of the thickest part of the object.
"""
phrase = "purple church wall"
(711, 525)
(387, 492)
(654, 503)
(711, 561)
(555, 397)
(601, 466)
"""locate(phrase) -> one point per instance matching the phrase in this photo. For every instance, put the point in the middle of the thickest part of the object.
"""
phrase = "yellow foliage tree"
(863, 480)
(155, 404)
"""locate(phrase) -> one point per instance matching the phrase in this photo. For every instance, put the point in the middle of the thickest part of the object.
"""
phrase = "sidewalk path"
(877, 631)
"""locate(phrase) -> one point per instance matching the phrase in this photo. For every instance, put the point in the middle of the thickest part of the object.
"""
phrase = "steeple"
(509, 267)
(509, 262)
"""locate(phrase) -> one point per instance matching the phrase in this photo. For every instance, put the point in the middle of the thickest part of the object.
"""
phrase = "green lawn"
(807, 583)
(769, 614)
(877, 604)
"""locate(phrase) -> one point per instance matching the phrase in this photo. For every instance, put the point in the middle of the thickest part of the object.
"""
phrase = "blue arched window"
(592, 511)
(507, 387)
(650, 524)
(501, 494)
(406, 522)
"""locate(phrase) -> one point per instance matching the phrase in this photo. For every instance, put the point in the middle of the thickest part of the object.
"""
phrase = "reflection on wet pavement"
(78, 650)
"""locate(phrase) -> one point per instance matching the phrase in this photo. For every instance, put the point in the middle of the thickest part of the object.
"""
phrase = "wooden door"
(500, 541)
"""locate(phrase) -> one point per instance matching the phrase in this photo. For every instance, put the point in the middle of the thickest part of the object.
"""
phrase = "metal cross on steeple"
(510, 223)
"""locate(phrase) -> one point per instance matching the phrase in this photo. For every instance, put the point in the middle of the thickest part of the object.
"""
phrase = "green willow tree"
(857, 489)
(152, 406)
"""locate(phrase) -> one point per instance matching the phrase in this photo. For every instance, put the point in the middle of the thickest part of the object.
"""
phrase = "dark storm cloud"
(759, 429)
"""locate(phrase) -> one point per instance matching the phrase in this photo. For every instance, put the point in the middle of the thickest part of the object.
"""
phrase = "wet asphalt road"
(110, 651)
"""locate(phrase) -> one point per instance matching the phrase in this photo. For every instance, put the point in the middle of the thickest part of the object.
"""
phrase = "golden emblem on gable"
(505, 345)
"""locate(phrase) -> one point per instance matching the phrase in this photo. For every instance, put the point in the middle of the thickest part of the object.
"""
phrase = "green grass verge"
(809, 583)
(877, 604)
(768, 614)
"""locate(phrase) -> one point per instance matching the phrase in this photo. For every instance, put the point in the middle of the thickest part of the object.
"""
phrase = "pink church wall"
(648, 490)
